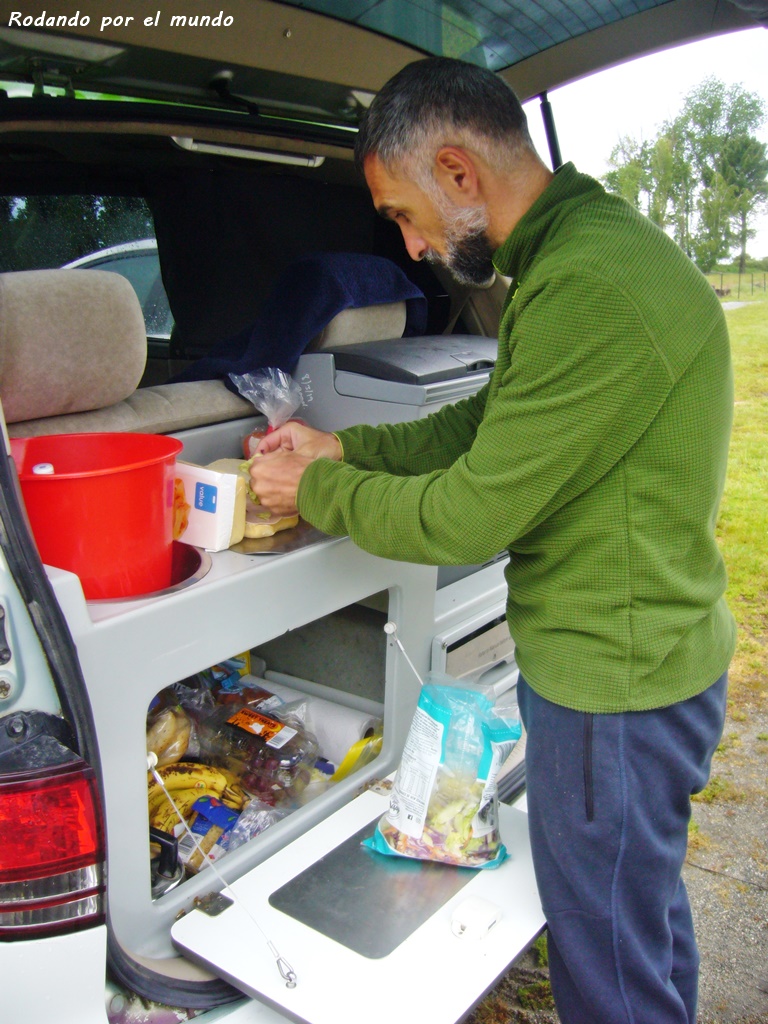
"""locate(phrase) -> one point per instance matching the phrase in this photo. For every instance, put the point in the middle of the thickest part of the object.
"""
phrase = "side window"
(113, 233)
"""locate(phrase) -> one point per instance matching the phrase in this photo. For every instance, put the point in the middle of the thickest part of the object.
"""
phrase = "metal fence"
(739, 286)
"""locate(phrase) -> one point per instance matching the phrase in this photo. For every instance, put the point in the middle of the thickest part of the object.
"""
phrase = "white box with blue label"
(216, 506)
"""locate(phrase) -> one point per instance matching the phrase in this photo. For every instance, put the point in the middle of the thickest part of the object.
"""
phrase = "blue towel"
(304, 299)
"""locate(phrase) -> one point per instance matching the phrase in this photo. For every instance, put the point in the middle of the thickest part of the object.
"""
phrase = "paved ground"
(727, 878)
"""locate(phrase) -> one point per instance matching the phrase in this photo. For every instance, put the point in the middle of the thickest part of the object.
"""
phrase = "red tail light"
(51, 852)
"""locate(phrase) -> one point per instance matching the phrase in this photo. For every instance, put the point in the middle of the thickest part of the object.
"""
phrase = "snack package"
(274, 393)
(444, 801)
(227, 675)
(212, 823)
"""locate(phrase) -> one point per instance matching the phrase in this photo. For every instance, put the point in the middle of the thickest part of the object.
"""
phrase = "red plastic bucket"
(101, 505)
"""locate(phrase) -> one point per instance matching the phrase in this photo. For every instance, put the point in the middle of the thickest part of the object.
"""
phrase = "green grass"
(537, 996)
(719, 789)
(728, 742)
(743, 522)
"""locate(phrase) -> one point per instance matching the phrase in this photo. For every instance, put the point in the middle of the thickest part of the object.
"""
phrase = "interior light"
(243, 153)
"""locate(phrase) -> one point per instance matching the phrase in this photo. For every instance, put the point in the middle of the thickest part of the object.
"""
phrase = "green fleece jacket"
(596, 455)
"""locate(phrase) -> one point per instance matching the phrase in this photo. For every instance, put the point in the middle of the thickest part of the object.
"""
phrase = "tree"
(704, 176)
(712, 240)
(744, 167)
(39, 231)
(628, 174)
(662, 174)
(643, 173)
(717, 125)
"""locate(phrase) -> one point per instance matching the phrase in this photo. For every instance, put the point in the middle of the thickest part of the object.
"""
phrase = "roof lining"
(659, 28)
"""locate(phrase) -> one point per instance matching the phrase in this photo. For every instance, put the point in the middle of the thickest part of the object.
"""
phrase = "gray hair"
(439, 102)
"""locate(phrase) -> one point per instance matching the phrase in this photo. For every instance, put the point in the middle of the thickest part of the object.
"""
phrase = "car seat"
(72, 351)
(362, 323)
(73, 348)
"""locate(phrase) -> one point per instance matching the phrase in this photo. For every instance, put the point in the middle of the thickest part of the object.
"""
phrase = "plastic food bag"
(274, 393)
(238, 689)
(181, 705)
(444, 802)
(169, 731)
(255, 819)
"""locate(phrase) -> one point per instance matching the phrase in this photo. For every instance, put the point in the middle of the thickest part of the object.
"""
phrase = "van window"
(80, 232)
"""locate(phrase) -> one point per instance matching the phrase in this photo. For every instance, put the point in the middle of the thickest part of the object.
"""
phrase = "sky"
(636, 98)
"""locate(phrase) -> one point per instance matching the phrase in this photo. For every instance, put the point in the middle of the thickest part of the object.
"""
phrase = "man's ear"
(457, 174)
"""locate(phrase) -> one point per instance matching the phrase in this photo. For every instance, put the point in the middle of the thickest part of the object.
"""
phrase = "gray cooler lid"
(422, 360)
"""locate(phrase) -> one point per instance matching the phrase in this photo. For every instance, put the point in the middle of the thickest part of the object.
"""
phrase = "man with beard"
(596, 456)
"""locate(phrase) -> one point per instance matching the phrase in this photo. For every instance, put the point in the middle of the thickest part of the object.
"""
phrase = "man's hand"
(280, 461)
(295, 437)
(275, 479)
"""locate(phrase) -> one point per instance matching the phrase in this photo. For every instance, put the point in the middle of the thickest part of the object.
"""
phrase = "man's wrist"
(341, 446)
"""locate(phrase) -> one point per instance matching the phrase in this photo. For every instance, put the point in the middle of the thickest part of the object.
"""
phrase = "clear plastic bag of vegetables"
(444, 802)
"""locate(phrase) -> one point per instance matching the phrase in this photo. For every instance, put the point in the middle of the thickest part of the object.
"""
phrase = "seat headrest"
(362, 323)
(70, 341)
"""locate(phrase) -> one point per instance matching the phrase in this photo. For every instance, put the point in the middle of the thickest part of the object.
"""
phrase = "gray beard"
(469, 253)
(470, 259)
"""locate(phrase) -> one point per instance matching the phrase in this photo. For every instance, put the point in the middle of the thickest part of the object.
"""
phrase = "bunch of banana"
(233, 796)
(168, 732)
(186, 781)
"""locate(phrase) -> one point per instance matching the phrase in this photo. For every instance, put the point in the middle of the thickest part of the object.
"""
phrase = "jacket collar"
(567, 190)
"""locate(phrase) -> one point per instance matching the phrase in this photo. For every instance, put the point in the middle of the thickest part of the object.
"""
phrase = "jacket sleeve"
(417, 446)
(579, 383)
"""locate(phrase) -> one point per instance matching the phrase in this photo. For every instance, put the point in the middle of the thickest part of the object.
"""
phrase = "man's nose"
(415, 245)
